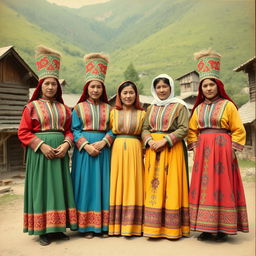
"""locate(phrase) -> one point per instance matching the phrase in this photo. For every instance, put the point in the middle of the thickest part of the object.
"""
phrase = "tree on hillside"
(131, 74)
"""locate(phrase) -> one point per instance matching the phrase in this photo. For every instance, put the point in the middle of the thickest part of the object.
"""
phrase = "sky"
(76, 3)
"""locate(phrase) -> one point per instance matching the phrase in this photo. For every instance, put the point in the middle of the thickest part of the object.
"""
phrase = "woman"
(217, 201)
(49, 205)
(126, 181)
(166, 187)
(91, 158)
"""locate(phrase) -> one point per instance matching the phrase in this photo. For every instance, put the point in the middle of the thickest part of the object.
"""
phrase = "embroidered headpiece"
(47, 62)
(96, 65)
(208, 64)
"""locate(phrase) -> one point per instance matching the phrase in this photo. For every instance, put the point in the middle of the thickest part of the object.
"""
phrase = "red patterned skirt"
(217, 200)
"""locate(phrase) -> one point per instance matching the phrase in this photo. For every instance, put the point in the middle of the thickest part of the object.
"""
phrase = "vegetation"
(157, 37)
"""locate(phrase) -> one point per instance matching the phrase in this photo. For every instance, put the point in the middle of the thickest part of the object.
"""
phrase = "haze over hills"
(156, 36)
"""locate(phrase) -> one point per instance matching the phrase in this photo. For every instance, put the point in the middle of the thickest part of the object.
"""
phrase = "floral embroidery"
(218, 195)
(219, 168)
(220, 140)
(155, 183)
(103, 68)
(204, 180)
(42, 63)
(89, 67)
(207, 151)
(57, 63)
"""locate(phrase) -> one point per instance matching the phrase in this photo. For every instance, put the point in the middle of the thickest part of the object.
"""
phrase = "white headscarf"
(171, 98)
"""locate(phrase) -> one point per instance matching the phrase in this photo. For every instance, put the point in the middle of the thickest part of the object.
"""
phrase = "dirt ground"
(15, 243)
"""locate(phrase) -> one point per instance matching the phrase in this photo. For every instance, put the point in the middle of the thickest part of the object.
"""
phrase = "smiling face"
(128, 96)
(163, 90)
(209, 89)
(95, 90)
(49, 88)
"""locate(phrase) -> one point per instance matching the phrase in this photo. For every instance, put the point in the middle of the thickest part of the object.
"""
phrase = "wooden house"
(189, 83)
(247, 111)
(16, 77)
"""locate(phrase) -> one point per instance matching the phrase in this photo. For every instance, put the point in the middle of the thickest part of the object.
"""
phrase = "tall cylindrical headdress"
(208, 64)
(96, 65)
(47, 62)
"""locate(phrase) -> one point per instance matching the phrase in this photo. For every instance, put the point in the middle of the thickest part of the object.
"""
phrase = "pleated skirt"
(90, 177)
(49, 204)
(166, 212)
(126, 187)
(217, 200)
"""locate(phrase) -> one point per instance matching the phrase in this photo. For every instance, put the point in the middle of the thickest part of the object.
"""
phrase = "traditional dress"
(126, 187)
(166, 184)
(217, 201)
(48, 198)
(90, 174)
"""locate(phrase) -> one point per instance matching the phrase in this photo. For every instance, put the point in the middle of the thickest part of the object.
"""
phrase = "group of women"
(116, 189)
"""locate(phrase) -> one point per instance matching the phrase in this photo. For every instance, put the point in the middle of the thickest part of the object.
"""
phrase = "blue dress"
(91, 174)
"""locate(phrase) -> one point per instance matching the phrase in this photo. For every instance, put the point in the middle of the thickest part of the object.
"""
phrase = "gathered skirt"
(126, 187)
(90, 175)
(166, 212)
(49, 204)
(217, 200)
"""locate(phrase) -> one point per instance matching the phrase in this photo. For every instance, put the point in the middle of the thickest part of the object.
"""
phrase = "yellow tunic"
(217, 114)
(166, 187)
(126, 180)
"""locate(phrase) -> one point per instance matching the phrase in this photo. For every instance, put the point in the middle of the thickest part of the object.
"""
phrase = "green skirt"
(49, 204)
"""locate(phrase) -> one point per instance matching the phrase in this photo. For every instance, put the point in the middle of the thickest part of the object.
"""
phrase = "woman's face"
(95, 90)
(209, 89)
(49, 88)
(128, 96)
(163, 90)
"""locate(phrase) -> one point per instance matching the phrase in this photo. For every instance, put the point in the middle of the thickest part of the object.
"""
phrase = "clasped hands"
(157, 145)
(95, 148)
(50, 152)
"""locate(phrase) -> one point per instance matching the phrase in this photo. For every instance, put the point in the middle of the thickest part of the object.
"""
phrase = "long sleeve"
(238, 134)
(76, 127)
(180, 127)
(25, 134)
(193, 132)
(110, 136)
(145, 135)
(67, 128)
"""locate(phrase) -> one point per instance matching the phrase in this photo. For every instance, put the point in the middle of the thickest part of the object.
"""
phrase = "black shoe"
(221, 237)
(62, 236)
(204, 236)
(44, 240)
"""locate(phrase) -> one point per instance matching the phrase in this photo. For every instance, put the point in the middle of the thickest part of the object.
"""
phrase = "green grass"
(245, 163)
(9, 198)
(155, 39)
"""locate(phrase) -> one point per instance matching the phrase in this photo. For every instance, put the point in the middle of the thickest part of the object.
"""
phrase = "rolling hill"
(157, 37)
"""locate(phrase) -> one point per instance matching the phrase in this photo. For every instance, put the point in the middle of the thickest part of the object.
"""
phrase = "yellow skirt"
(126, 187)
(166, 212)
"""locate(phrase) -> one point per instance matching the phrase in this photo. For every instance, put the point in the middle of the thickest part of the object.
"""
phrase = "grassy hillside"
(226, 26)
(157, 37)
(62, 22)
(17, 31)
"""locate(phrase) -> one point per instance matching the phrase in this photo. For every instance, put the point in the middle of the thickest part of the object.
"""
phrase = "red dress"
(217, 200)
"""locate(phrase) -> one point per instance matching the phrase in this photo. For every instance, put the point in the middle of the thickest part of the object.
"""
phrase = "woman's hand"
(157, 146)
(48, 151)
(61, 150)
(91, 150)
(99, 145)
(160, 144)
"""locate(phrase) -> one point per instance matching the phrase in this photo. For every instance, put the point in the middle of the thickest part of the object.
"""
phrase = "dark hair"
(126, 84)
(164, 79)
(212, 79)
